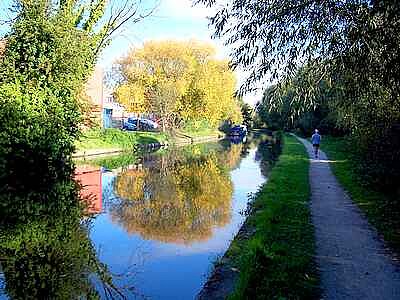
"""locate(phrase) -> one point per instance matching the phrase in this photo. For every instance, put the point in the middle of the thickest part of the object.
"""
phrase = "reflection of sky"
(169, 270)
(2, 286)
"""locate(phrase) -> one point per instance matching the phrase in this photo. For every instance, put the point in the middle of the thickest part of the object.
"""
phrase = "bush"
(37, 132)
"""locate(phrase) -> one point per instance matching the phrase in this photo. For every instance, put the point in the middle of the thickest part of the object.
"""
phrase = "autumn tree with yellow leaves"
(180, 82)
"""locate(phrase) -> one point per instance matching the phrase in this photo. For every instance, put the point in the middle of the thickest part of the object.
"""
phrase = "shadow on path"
(353, 261)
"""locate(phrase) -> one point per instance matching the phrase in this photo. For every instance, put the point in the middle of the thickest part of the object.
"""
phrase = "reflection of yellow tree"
(231, 158)
(131, 184)
(180, 204)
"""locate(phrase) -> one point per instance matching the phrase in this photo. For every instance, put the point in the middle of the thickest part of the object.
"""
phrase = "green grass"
(115, 138)
(112, 162)
(277, 261)
(380, 208)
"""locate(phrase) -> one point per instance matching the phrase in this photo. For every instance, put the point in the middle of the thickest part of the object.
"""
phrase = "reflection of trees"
(231, 157)
(131, 183)
(179, 200)
(42, 262)
(268, 151)
(50, 256)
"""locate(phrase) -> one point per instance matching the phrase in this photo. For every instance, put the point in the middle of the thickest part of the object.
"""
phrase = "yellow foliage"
(194, 84)
(132, 97)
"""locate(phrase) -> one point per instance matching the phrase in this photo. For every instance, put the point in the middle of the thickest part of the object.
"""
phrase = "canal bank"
(272, 255)
(114, 142)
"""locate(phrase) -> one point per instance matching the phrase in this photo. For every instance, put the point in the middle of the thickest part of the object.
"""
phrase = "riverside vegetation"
(41, 90)
(44, 246)
(276, 262)
(337, 70)
(116, 138)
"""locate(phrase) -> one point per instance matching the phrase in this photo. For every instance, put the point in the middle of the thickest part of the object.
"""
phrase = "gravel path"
(353, 261)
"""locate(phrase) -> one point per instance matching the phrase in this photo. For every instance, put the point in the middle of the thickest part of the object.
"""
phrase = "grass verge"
(276, 262)
(380, 208)
(116, 138)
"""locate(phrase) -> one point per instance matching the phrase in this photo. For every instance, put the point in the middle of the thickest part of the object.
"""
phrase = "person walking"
(315, 141)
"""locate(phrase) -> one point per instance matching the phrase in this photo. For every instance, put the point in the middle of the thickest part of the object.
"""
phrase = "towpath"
(353, 261)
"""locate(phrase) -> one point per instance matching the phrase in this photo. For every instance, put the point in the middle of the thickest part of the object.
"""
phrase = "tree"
(178, 81)
(162, 99)
(247, 113)
(284, 113)
(273, 38)
(50, 51)
(351, 45)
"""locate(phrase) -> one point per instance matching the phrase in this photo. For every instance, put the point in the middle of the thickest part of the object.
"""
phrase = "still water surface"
(158, 222)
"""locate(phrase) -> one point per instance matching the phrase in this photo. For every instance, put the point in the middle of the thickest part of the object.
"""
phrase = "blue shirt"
(315, 139)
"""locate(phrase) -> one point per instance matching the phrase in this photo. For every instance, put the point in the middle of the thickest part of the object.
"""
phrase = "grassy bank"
(115, 138)
(380, 207)
(276, 262)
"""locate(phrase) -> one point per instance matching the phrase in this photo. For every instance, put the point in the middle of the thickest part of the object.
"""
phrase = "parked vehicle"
(238, 130)
(130, 125)
(150, 123)
(140, 124)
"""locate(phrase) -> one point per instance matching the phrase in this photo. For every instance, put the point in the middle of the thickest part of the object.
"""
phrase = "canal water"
(152, 228)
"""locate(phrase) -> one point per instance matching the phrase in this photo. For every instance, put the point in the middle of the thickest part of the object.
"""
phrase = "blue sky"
(172, 19)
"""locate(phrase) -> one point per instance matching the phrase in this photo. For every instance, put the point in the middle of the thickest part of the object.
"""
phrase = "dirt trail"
(353, 261)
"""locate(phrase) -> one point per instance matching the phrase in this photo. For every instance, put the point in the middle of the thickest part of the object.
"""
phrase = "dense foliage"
(345, 51)
(179, 82)
(290, 114)
(50, 51)
(247, 113)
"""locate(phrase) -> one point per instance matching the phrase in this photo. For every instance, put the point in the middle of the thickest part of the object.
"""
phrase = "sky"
(172, 19)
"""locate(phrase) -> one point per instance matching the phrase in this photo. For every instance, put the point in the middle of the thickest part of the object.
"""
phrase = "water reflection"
(49, 255)
(90, 178)
(182, 206)
(268, 150)
(179, 198)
